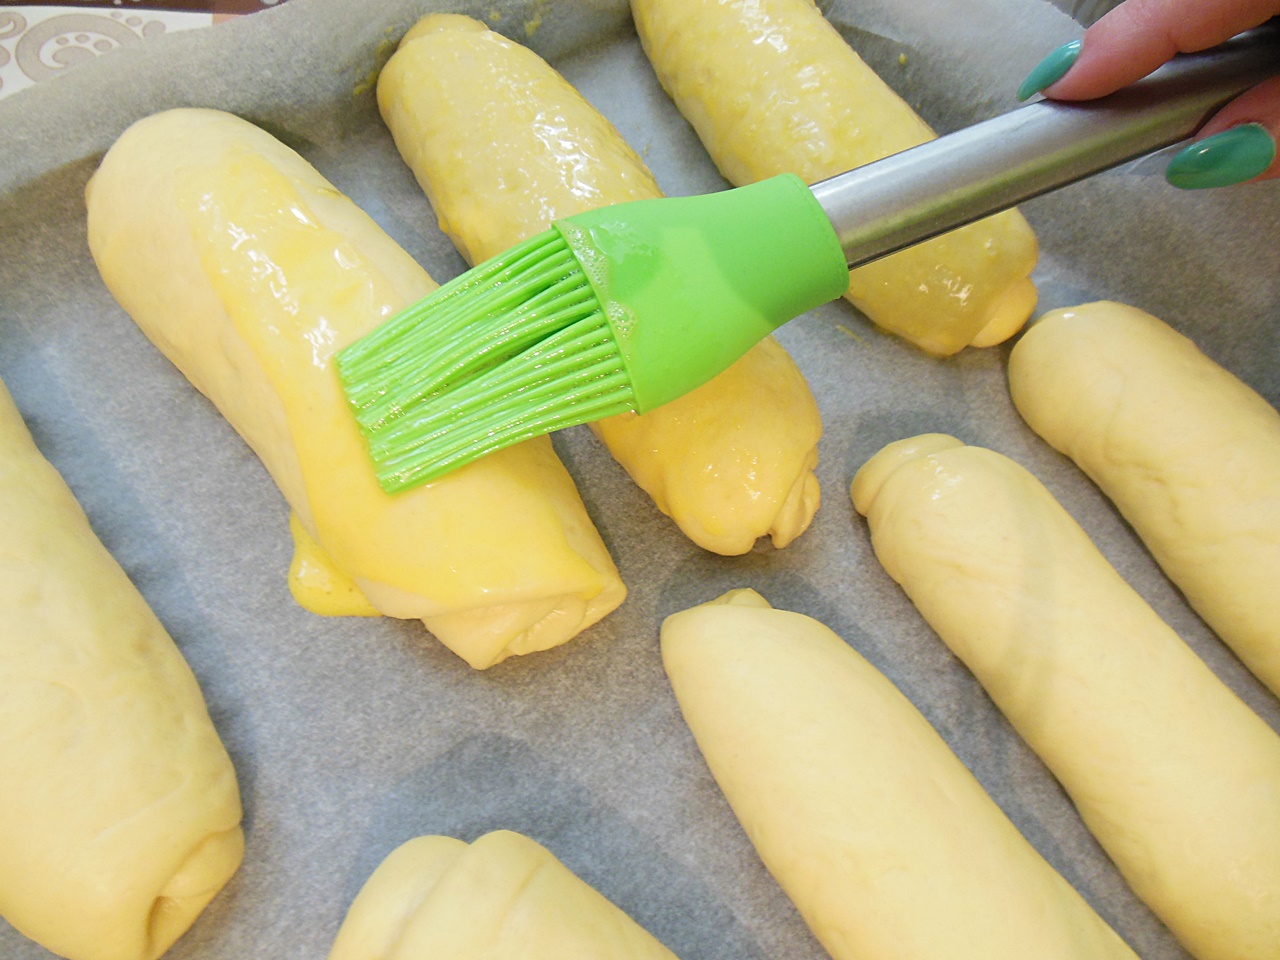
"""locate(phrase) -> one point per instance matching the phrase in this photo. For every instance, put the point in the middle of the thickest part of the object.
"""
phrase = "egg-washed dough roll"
(503, 897)
(502, 145)
(119, 810)
(771, 87)
(1175, 776)
(1188, 453)
(250, 271)
(887, 845)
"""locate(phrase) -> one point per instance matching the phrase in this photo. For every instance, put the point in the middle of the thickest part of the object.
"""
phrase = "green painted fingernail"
(1049, 70)
(1232, 156)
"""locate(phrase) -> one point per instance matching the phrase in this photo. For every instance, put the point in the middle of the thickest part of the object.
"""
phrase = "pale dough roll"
(887, 845)
(1188, 453)
(503, 146)
(771, 87)
(249, 271)
(503, 897)
(119, 810)
(1175, 776)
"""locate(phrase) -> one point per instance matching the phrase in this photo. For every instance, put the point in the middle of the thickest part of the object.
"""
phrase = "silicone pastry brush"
(627, 307)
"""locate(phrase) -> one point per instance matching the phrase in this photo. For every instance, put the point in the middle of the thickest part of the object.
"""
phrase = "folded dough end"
(872, 475)
(1008, 314)
(503, 897)
(488, 636)
(121, 918)
(387, 901)
(801, 503)
(189, 890)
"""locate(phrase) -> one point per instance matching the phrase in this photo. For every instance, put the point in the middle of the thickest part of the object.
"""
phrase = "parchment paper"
(352, 735)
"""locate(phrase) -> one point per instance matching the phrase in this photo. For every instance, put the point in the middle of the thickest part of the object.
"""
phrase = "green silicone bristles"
(618, 309)
(515, 348)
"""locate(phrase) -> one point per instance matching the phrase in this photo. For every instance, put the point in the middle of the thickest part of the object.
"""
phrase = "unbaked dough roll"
(119, 810)
(503, 897)
(250, 271)
(1188, 453)
(503, 146)
(1175, 776)
(885, 842)
(771, 87)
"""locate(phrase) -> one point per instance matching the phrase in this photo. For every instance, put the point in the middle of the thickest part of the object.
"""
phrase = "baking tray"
(350, 736)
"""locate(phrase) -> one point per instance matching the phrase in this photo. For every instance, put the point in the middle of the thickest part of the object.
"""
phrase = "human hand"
(1238, 144)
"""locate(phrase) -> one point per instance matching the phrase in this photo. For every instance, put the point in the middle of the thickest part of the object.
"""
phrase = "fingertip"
(1049, 70)
(1239, 154)
(1260, 104)
(1123, 46)
(1255, 118)
(1085, 69)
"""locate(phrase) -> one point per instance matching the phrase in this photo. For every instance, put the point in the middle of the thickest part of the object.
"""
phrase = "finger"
(1138, 36)
(1230, 148)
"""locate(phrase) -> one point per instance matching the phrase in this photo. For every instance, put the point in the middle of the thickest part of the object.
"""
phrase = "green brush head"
(515, 348)
(622, 308)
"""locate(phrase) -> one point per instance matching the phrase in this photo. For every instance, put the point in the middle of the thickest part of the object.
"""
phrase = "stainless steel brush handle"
(964, 176)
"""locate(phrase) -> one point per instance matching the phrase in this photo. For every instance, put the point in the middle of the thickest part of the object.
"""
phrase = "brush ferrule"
(689, 284)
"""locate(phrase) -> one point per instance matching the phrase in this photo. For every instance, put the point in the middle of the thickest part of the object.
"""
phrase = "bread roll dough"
(1188, 453)
(503, 146)
(119, 810)
(503, 897)
(1175, 776)
(771, 87)
(887, 845)
(250, 271)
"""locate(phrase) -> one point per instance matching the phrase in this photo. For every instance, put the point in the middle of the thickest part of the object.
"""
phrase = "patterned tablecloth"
(39, 41)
